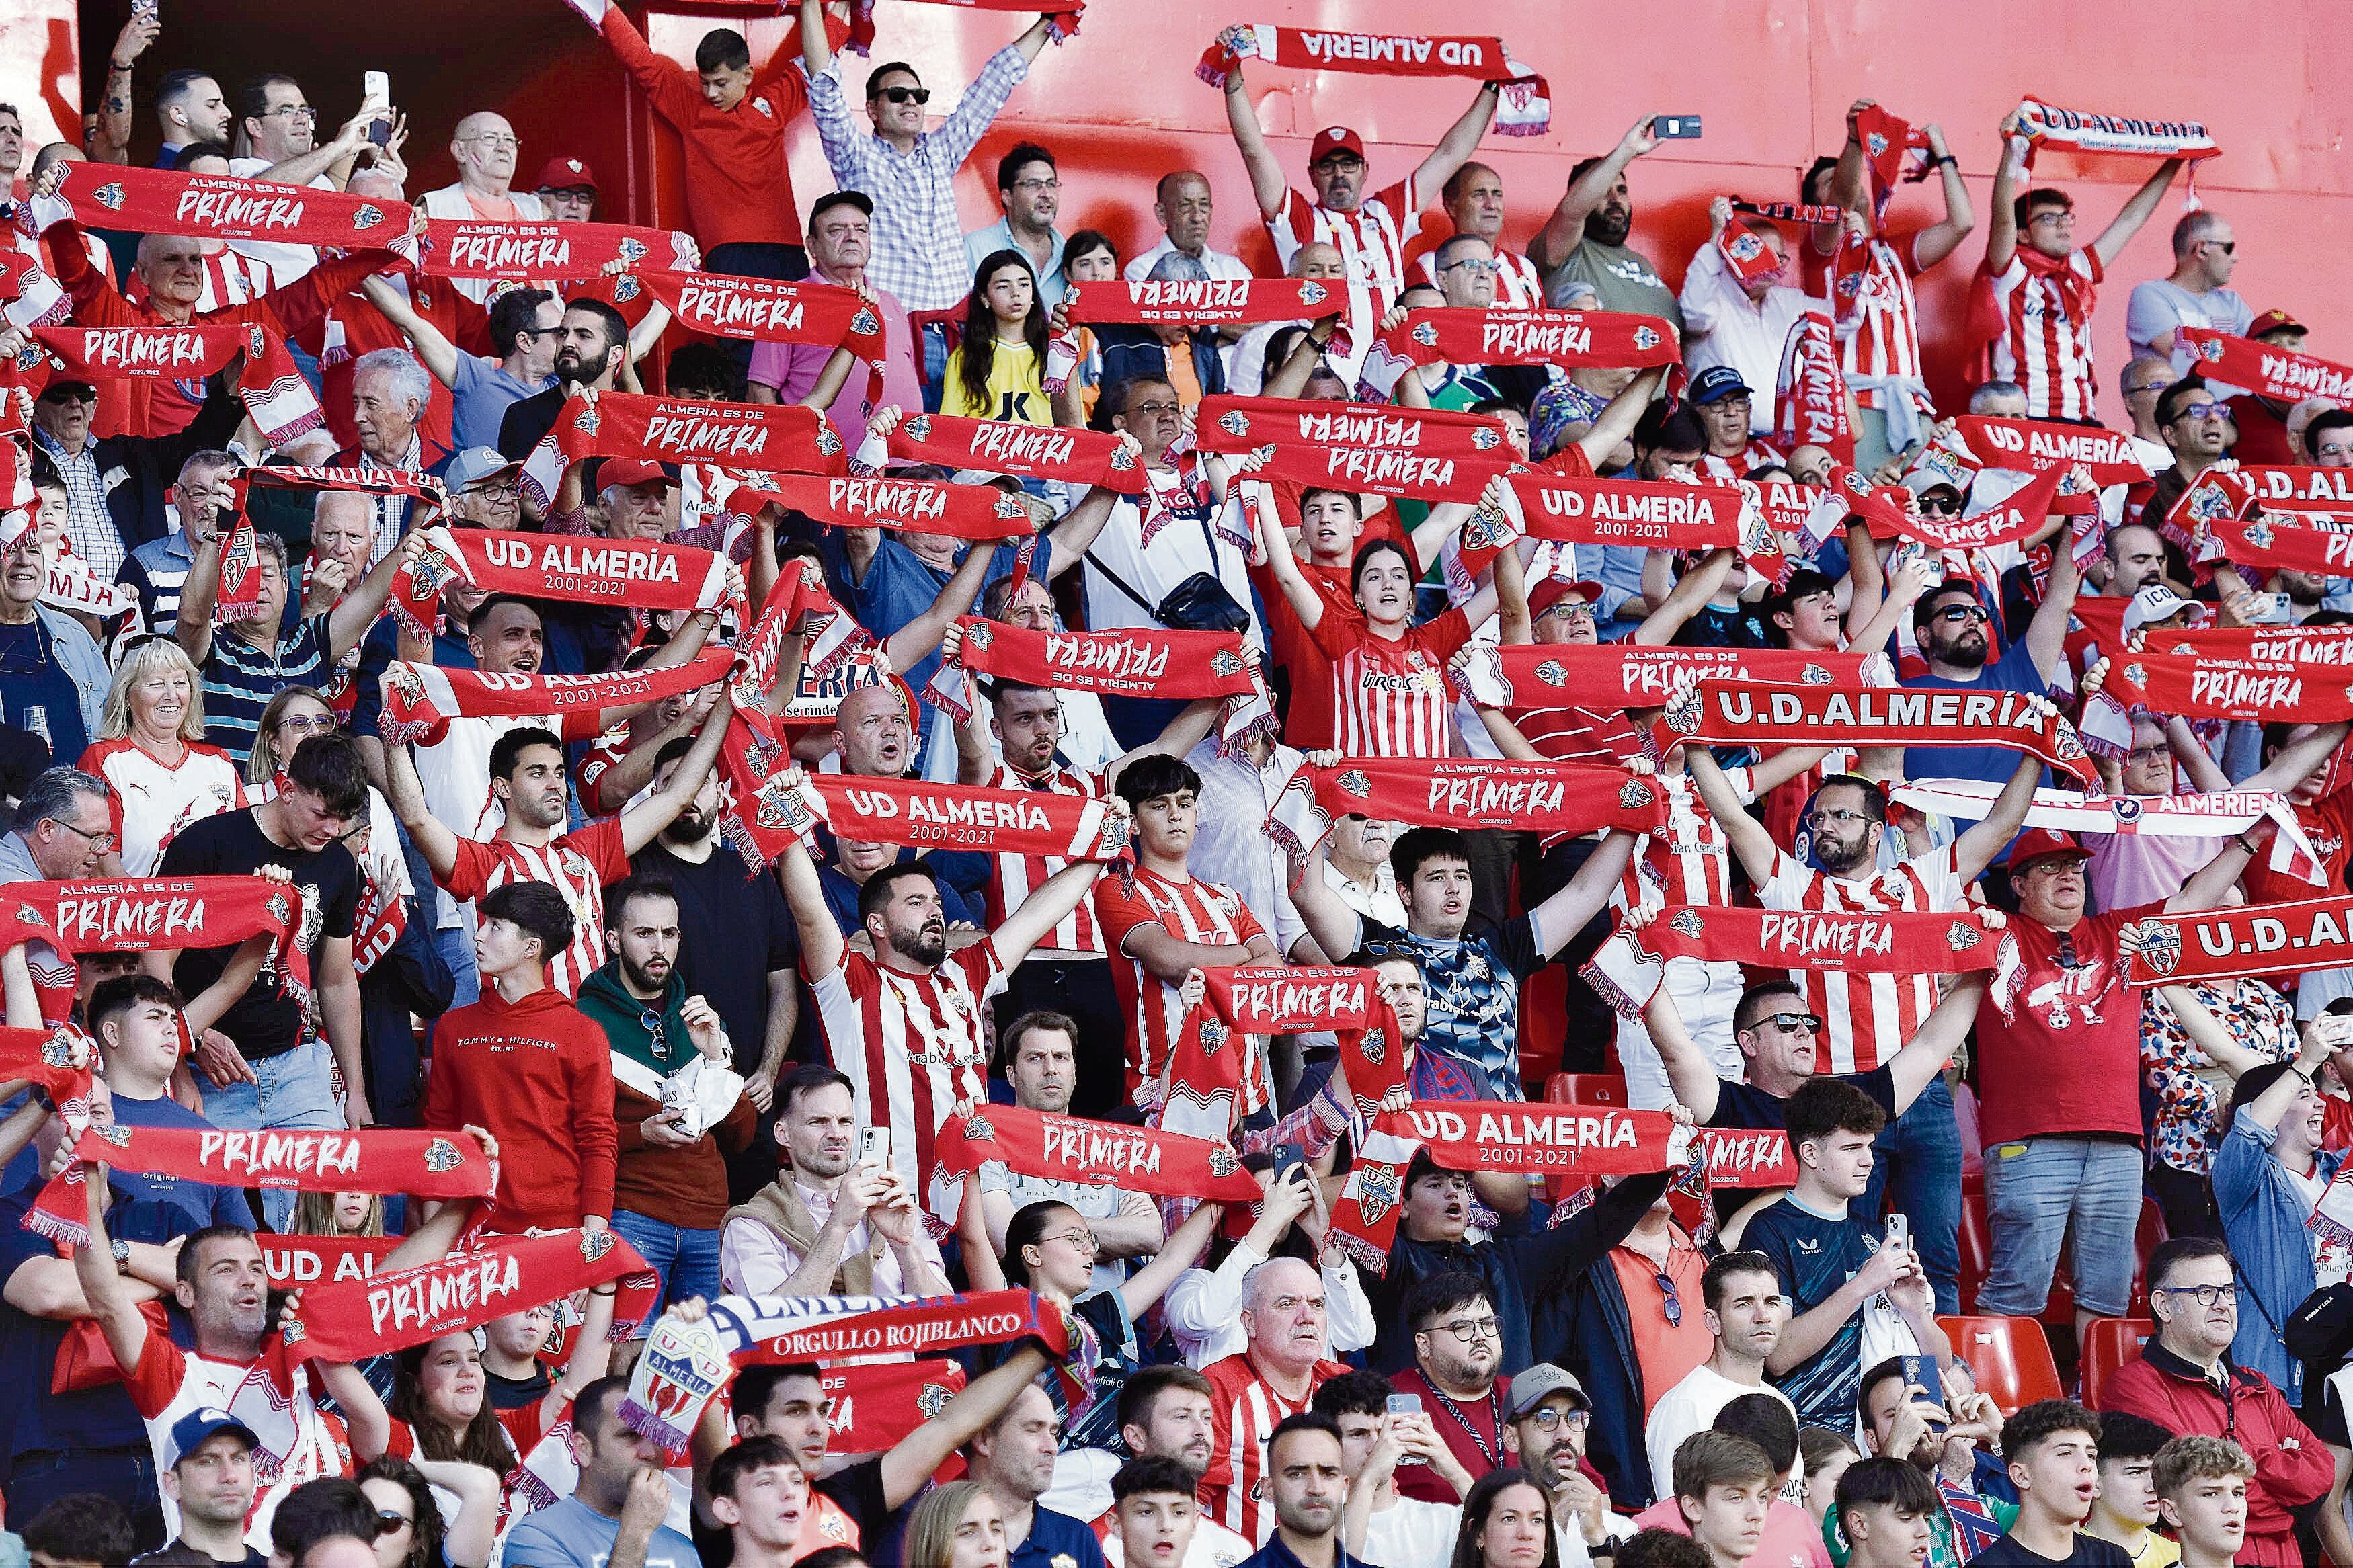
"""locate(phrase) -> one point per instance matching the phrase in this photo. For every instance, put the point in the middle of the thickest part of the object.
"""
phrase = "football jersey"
(2043, 315)
(1194, 911)
(150, 802)
(272, 1395)
(1244, 1410)
(1866, 1018)
(1013, 877)
(578, 865)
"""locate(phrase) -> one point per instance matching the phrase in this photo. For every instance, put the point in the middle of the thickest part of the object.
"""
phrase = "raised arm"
(1267, 182)
(1274, 541)
(112, 142)
(1682, 602)
(907, 1467)
(1925, 1054)
(438, 353)
(1462, 140)
(199, 593)
(2046, 634)
(1690, 1073)
(641, 822)
(2299, 759)
(1974, 850)
(433, 838)
(1566, 227)
(1043, 909)
(913, 642)
(816, 48)
(1616, 423)
(1563, 915)
(349, 621)
(2001, 215)
(104, 1289)
(1938, 240)
(1750, 843)
(2214, 880)
(2136, 212)
(821, 943)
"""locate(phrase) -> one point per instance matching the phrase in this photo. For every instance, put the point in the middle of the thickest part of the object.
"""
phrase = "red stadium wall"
(1120, 104)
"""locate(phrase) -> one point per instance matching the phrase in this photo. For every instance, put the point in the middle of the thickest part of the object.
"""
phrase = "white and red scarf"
(1524, 110)
(2213, 686)
(1731, 713)
(164, 913)
(1202, 302)
(1463, 793)
(1627, 969)
(388, 1312)
(58, 1061)
(1810, 392)
(2216, 815)
(2266, 371)
(2098, 140)
(216, 206)
(762, 311)
(775, 1331)
(1431, 454)
(1048, 1147)
(1606, 675)
(73, 587)
(418, 697)
(2248, 939)
(274, 390)
(2040, 445)
(1887, 145)
(536, 252)
(576, 568)
(914, 812)
(982, 513)
(34, 297)
(1079, 457)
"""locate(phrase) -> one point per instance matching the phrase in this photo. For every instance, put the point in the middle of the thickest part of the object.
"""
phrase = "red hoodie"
(538, 1075)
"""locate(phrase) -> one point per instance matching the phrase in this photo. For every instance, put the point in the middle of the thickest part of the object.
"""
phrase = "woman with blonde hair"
(338, 1213)
(293, 716)
(160, 775)
(958, 1525)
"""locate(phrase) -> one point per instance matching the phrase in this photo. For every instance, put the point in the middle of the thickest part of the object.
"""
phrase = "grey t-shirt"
(2159, 306)
(1622, 275)
(571, 1535)
(483, 392)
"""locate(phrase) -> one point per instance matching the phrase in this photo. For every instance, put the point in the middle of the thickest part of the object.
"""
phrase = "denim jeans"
(687, 1260)
(2034, 1191)
(456, 945)
(1919, 1164)
(295, 1088)
(125, 1476)
(936, 365)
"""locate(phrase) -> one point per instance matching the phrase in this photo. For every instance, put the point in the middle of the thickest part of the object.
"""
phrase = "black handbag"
(1199, 603)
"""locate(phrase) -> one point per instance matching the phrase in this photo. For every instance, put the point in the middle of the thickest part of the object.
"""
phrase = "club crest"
(1426, 334)
(1815, 675)
(406, 682)
(932, 1400)
(365, 217)
(431, 571)
(828, 441)
(919, 429)
(1877, 142)
(290, 1330)
(1633, 794)
(442, 1155)
(1486, 440)
(58, 1050)
(1687, 922)
(865, 323)
(977, 1128)
(29, 916)
(1375, 1045)
(1112, 836)
(782, 810)
(1963, 936)
(626, 289)
(1646, 338)
(631, 250)
(1748, 247)
(1223, 1161)
(2259, 534)
(1552, 673)
(1214, 1034)
(2063, 744)
(109, 195)
(279, 910)
(2125, 808)
(1226, 662)
(1355, 782)
(1683, 712)
(2161, 946)
(2212, 349)
(1234, 422)
(595, 1244)
(1011, 507)
(1122, 459)
(980, 634)
(1312, 293)
(117, 1136)
(2136, 674)
(1376, 1191)
(237, 555)
(586, 422)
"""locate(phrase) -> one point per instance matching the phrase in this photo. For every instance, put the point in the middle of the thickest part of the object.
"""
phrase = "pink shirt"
(2129, 868)
(1791, 1540)
(791, 369)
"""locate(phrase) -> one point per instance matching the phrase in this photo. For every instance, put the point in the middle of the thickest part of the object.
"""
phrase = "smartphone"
(1920, 1370)
(1899, 1230)
(1407, 1404)
(143, 7)
(1287, 1155)
(1675, 127)
(375, 91)
(876, 1150)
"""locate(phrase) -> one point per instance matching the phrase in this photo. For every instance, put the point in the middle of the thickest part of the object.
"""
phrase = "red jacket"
(538, 1075)
(2292, 1467)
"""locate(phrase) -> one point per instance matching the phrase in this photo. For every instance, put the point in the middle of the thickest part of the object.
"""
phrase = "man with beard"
(2196, 428)
(1457, 1351)
(1550, 1419)
(593, 344)
(905, 1024)
(1955, 628)
(1306, 1486)
(1868, 1017)
(1165, 1414)
(1042, 1064)
(527, 778)
(679, 1108)
(1584, 242)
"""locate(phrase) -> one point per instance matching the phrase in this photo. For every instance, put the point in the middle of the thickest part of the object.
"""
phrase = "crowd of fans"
(792, 1094)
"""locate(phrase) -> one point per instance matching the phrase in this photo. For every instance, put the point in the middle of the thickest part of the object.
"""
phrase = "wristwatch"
(122, 1256)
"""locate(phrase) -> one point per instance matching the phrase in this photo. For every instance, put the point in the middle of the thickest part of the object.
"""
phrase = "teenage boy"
(2052, 1447)
(1886, 1510)
(1722, 1487)
(2201, 1485)
(1154, 1514)
(2127, 1506)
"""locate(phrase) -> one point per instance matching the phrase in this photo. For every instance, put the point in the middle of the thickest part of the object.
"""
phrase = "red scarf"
(1202, 302)
(1422, 454)
(2018, 518)
(1525, 109)
(2267, 645)
(1065, 17)
(429, 1164)
(419, 697)
(1746, 1159)
(2276, 538)
(1042, 1144)
(2251, 939)
(876, 1404)
(919, 814)
(756, 309)
(386, 1312)
(1745, 254)
(1606, 340)
(770, 437)
(1791, 212)
(33, 296)
(1608, 676)
(215, 206)
(165, 912)
(536, 252)
(1865, 942)
(1729, 713)
(764, 815)
(1307, 999)
(1135, 663)
(1461, 793)
(273, 391)
(2038, 446)
(576, 568)
(1886, 142)
(297, 1262)
(1658, 514)
(2268, 372)
(978, 512)
(1886, 510)
(415, 587)
(1811, 389)
(1036, 451)
(46, 1058)
(2206, 686)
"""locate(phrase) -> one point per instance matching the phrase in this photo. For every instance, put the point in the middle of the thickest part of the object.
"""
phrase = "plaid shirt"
(918, 241)
(89, 526)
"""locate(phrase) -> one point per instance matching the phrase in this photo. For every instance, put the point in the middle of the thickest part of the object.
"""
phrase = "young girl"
(997, 370)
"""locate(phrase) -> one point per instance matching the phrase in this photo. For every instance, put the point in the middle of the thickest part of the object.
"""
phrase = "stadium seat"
(2010, 1357)
(1976, 1240)
(1543, 1009)
(1586, 1089)
(2109, 1344)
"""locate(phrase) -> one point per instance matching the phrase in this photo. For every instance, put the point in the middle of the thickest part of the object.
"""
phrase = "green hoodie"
(622, 1016)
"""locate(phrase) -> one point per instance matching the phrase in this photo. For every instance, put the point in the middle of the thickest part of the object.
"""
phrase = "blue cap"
(199, 1427)
(1718, 381)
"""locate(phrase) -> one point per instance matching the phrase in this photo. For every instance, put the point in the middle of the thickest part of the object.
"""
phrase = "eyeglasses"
(1165, 410)
(1551, 1420)
(289, 112)
(1823, 818)
(1469, 1330)
(904, 94)
(1084, 1240)
(651, 1020)
(496, 140)
(1670, 1303)
(2148, 754)
(1791, 1023)
(101, 842)
(391, 1522)
(2056, 220)
(1477, 268)
(2147, 388)
(1956, 613)
(1037, 185)
(2208, 1295)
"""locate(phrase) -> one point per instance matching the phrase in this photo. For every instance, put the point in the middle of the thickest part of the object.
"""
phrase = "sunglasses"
(652, 1021)
(71, 395)
(904, 94)
(1940, 506)
(1670, 1303)
(1791, 1023)
(390, 1521)
(1956, 613)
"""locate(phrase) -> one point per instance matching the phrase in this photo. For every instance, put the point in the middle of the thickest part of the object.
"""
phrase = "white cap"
(2156, 602)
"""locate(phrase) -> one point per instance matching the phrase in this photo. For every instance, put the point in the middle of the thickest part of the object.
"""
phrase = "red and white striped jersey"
(1517, 286)
(1016, 876)
(1392, 698)
(2043, 341)
(1887, 336)
(910, 1043)
(151, 801)
(1244, 1409)
(1866, 1018)
(1371, 240)
(232, 279)
(1754, 456)
(577, 864)
(1194, 911)
(1690, 862)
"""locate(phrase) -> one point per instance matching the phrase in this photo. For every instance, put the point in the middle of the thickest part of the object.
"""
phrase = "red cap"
(2041, 843)
(627, 471)
(1334, 138)
(2273, 322)
(566, 174)
(1553, 590)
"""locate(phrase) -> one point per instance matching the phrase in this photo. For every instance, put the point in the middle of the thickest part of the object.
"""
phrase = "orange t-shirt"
(1665, 1351)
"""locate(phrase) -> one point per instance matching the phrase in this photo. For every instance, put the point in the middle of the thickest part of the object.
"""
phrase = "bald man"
(1284, 1358)
(1249, 371)
(485, 147)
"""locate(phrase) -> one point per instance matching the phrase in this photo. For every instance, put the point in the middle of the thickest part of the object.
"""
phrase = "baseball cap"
(2273, 322)
(2156, 602)
(566, 174)
(2041, 844)
(1551, 591)
(200, 1426)
(631, 471)
(1334, 138)
(1539, 1384)
(833, 199)
(1715, 382)
(1920, 481)
(474, 465)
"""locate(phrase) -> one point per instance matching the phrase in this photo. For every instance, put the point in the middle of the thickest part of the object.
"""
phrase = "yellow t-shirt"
(2155, 1550)
(1017, 387)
